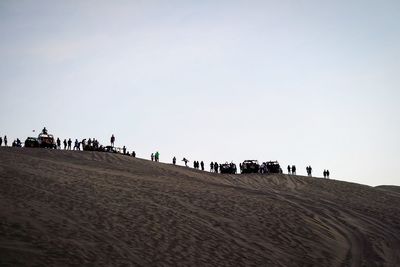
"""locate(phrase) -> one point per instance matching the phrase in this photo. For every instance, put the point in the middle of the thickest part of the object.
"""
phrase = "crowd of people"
(92, 144)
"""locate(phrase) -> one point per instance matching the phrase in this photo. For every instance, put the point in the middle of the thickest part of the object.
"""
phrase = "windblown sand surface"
(84, 208)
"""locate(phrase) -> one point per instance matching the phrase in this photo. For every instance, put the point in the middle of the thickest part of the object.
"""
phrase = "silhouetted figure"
(288, 169)
(327, 174)
(5, 140)
(309, 171)
(324, 173)
(240, 167)
(152, 157)
(65, 144)
(44, 131)
(174, 161)
(124, 150)
(69, 144)
(1, 141)
(89, 142)
(58, 143)
(202, 165)
(216, 167)
(134, 154)
(186, 161)
(157, 156)
(293, 169)
(77, 145)
(212, 166)
(194, 165)
(112, 140)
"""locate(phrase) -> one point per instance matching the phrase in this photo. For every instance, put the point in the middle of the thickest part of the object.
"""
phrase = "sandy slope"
(75, 208)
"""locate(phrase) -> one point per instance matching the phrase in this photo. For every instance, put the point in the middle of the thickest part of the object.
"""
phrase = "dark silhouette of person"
(293, 169)
(44, 131)
(324, 173)
(112, 140)
(157, 156)
(134, 154)
(69, 143)
(1, 140)
(212, 166)
(124, 150)
(186, 161)
(216, 167)
(5, 140)
(152, 157)
(65, 144)
(174, 161)
(202, 165)
(327, 174)
(77, 145)
(309, 171)
(58, 143)
(288, 169)
(194, 164)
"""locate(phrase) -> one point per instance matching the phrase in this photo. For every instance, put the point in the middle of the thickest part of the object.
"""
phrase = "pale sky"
(302, 82)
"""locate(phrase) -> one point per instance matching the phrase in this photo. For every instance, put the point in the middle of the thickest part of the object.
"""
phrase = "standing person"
(65, 144)
(58, 143)
(5, 140)
(69, 143)
(174, 161)
(324, 173)
(216, 167)
(76, 146)
(194, 165)
(1, 140)
(134, 154)
(327, 174)
(293, 169)
(124, 150)
(152, 157)
(157, 156)
(310, 170)
(212, 166)
(202, 165)
(112, 140)
(288, 169)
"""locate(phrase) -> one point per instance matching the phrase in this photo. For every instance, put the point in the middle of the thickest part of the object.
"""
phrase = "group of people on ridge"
(214, 167)
(291, 170)
(155, 157)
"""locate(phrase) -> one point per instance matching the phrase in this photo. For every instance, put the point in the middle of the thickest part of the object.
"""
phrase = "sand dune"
(63, 208)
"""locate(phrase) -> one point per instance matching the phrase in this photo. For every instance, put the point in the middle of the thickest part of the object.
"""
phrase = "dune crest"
(76, 208)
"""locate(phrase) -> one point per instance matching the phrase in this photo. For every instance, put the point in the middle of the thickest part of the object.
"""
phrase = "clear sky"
(302, 82)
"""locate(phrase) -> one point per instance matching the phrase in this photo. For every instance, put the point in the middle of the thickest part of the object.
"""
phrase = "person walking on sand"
(157, 156)
(152, 157)
(5, 140)
(212, 166)
(174, 161)
(202, 165)
(288, 169)
(112, 140)
(186, 161)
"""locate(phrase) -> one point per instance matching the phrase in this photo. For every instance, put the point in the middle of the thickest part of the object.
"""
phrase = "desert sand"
(62, 208)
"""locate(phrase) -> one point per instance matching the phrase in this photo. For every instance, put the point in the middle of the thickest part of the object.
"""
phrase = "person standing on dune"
(294, 169)
(174, 161)
(5, 140)
(288, 169)
(202, 165)
(186, 161)
(112, 140)
(1, 141)
(69, 144)
(157, 156)
(212, 166)
(327, 174)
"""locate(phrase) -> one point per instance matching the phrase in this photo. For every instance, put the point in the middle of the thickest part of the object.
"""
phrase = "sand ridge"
(89, 208)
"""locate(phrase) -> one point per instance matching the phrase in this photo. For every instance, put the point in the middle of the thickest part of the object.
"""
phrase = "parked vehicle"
(250, 166)
(31, 142)
(228, 168)
(270, 167)
(46, 140)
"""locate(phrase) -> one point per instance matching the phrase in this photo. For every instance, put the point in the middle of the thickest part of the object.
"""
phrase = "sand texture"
(63, 208)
